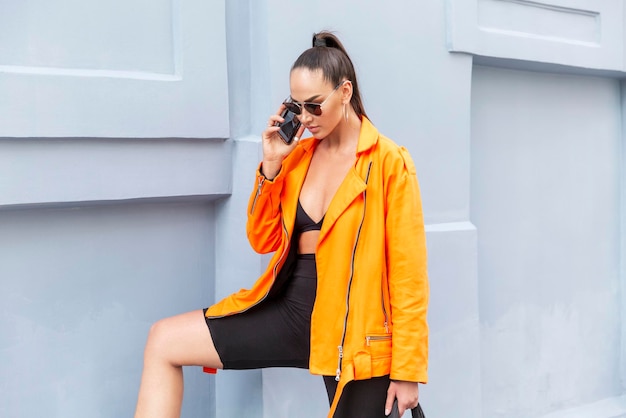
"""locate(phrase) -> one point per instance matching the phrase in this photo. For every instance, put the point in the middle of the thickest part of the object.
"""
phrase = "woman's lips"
(313, 129)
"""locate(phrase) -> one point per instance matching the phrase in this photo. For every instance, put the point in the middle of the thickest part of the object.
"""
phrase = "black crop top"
(304, 222)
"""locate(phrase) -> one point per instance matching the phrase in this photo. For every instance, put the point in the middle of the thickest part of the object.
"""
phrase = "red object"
(209, 370)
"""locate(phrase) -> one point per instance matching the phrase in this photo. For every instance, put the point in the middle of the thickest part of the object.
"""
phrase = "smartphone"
(289, 127)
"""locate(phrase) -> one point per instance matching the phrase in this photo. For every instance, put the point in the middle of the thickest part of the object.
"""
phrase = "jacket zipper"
(258, 192)
(356, 241)
(382, 299)
(273, 276)
(370, 338)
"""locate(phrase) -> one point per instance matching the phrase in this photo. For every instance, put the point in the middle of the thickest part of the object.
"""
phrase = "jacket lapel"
(350, 189)
(354, 184)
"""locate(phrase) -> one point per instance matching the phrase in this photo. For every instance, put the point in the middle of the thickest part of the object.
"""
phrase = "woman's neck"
(345, 137)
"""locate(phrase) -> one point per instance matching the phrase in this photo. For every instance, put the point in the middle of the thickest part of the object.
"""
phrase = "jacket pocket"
(379, 345)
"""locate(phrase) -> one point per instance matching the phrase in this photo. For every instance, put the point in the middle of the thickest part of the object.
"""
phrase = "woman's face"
(310, 86)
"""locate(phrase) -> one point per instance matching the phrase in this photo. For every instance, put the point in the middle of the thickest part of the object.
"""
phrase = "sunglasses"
(312, 108)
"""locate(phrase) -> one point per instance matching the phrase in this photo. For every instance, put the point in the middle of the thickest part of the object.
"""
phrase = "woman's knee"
(158, 339)
(182, 340)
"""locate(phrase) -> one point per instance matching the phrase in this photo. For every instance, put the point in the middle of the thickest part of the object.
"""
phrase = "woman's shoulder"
(395, 156)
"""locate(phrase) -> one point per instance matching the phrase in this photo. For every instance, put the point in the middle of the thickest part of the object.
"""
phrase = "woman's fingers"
(299, 133)
(407, 394)
(273, 122)
(270, 132)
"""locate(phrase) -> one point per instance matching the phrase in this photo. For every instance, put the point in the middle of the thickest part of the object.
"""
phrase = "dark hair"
(329, 55)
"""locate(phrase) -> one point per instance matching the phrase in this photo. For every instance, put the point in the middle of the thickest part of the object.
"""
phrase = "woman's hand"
(274, 148)
(407, 394)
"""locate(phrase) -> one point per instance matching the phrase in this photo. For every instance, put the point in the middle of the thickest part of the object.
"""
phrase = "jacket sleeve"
(407, 272)
(264, 225)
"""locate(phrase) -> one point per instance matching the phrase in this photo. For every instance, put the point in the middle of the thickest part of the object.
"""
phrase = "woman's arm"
(407, 272)
(264, 225)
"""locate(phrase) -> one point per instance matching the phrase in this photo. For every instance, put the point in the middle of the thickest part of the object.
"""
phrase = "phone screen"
(289, 127)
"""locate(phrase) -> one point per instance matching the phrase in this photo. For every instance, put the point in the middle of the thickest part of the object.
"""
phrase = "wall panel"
(113, 69)
(579, 33)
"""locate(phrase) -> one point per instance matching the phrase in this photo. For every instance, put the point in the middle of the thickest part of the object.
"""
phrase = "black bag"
(415, 412)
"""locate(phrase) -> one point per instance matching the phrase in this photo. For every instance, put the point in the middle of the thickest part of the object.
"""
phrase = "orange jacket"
(369, 317)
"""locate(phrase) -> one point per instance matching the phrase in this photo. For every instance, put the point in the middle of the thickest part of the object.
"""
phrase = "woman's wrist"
(270, 169)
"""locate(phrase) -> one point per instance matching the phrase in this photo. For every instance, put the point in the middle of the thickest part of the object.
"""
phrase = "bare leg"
(182, 340)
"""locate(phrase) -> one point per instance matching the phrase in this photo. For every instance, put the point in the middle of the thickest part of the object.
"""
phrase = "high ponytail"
(328, 55)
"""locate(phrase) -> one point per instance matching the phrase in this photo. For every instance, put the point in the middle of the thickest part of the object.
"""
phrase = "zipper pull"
(367, 340)
(338, 376)
(386, 327)
(258, 189)
(258, 192)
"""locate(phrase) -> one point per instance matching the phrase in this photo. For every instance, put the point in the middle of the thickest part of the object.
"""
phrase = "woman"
(346, 292)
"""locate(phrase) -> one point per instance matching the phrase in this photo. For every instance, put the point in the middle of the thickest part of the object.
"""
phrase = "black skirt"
(275, 332)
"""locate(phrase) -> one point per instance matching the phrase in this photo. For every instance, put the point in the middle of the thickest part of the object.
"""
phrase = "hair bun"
(319, 41)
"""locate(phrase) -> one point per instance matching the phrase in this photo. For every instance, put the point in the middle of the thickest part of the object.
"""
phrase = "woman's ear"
(346, 92)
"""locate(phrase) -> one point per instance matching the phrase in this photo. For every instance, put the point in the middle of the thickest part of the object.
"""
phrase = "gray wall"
(80, 287)
(545, 201)
(125, 172)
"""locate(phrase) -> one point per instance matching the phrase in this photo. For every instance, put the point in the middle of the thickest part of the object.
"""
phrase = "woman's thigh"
(183, 340)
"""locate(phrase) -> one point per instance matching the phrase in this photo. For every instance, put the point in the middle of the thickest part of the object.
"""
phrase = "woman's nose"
(305, 117)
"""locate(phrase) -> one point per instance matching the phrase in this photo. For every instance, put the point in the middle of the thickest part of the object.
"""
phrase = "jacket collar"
(368, 136)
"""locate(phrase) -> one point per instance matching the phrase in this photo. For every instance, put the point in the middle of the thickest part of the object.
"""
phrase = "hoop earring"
(345, 112)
